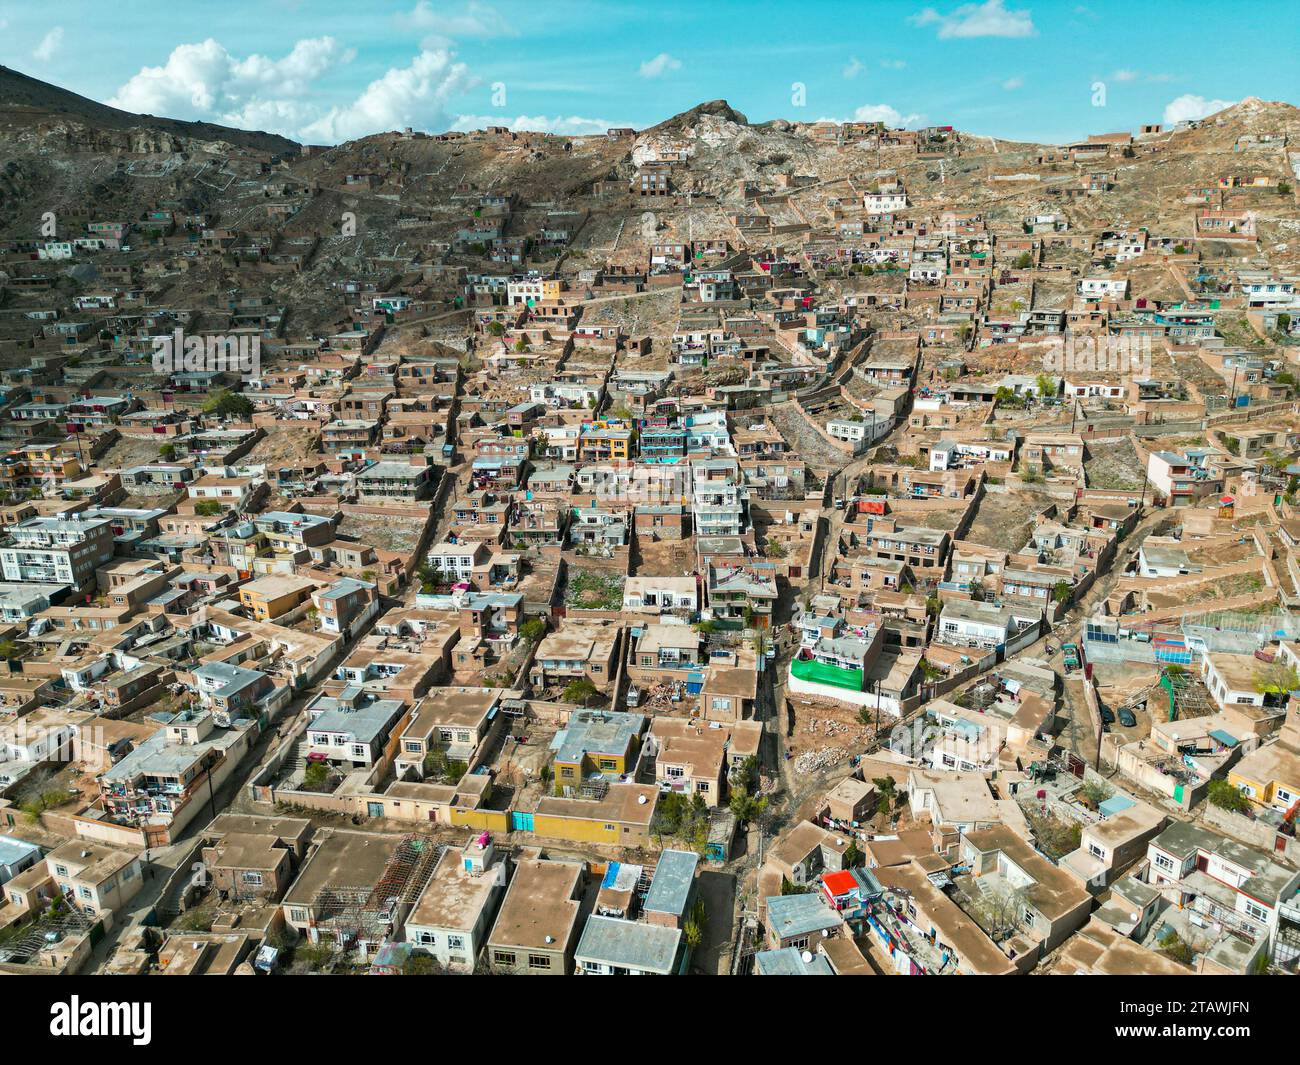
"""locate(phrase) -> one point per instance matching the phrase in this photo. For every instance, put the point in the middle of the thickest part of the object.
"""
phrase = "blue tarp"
(1114, 805)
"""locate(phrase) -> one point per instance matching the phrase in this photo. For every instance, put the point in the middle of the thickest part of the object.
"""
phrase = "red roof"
(840, 883)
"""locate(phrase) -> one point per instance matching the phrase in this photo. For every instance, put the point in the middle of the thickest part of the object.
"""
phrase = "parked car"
(1107, 716)
(1127, 718)
(634, 696)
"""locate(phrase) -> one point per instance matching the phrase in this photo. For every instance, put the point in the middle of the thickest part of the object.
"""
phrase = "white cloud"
(1190, 107)
(853, 68)
(659, 65)
(989, 19)
(565, 126)
(890, 116)
(1013, 83)
(1125, 75)
(473, 20)
(893, 64)
(416, 95)
(204, 81)
(50, 44)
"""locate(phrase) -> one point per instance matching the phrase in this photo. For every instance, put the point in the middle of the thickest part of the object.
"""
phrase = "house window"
(539, 961)
(298, 915)
(455, 942)
(427, 939)
(1164, 862)
(253, 879)
(503, 957)
(1257, 912)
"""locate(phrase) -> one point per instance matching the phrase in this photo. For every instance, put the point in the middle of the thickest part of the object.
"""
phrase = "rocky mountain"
(30, 105)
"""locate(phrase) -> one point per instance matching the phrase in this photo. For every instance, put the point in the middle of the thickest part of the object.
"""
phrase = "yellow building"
(621, 816)
(1269, 776)
(599, 743)
(268, 598)
(603, 443)
(37, 464)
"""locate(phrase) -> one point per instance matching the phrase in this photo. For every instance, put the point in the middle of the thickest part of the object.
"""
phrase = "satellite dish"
(806, 956)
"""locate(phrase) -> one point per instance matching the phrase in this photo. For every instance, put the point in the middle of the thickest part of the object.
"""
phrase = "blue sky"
(329, 70)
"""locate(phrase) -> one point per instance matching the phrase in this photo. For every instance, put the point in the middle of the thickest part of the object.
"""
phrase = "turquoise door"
(521, 822)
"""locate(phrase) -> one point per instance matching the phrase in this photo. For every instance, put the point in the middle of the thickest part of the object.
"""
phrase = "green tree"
(693, 926)
(315, 775)
(228, 404)
(167, 452)
(1226, 797)
(207, 508)
(1061, 591)
(533, 630)
(747, 807)
(580, 691)
(1172, 945)
(669, 814)
(421, 964)
(1275, 678)
(1096, 792)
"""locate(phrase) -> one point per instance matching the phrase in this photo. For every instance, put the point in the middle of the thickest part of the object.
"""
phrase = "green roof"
(821, 673)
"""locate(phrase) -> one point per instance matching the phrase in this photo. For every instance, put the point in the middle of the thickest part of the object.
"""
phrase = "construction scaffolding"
(1188, 697)
(50, 928)
(354, 915)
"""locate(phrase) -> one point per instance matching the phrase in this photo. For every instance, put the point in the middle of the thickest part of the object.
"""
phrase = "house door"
(375, 809)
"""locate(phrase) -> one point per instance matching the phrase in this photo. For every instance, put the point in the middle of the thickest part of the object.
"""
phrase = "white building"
(969, 624)
(1103, 288)
(458, 560)
(657, 595)
(452, 916)
(884, 202)
(61, 550)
